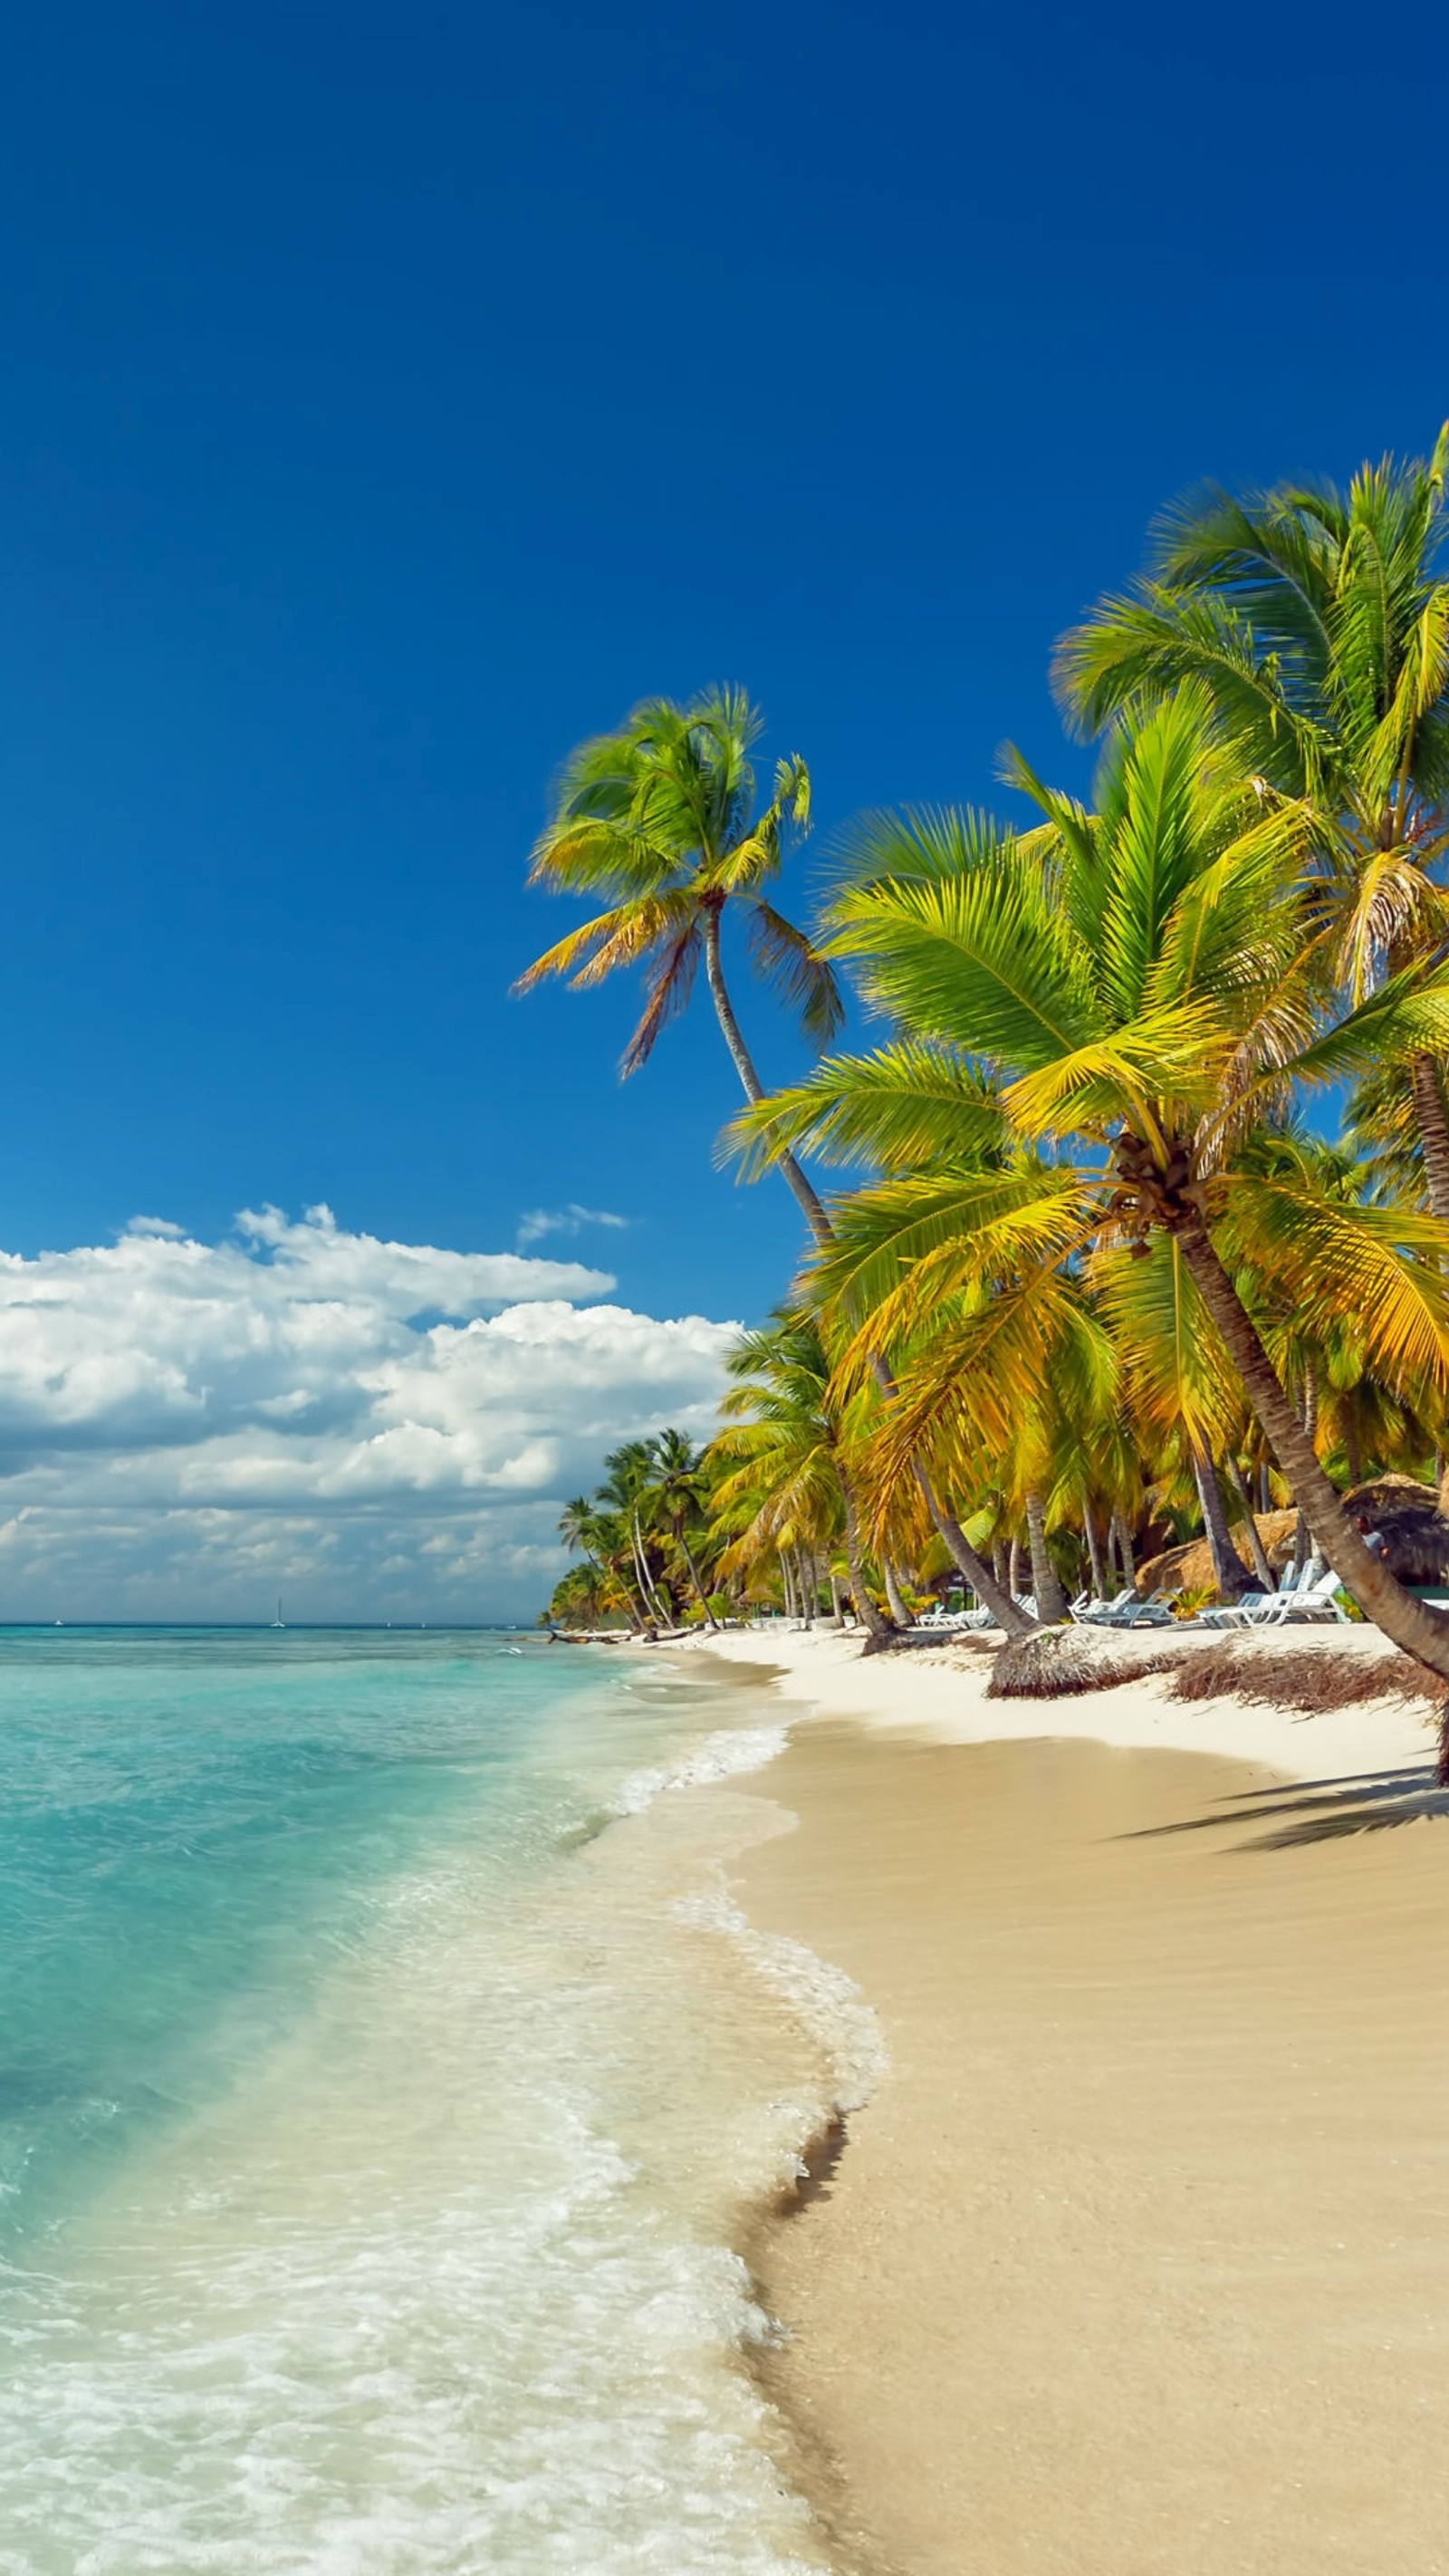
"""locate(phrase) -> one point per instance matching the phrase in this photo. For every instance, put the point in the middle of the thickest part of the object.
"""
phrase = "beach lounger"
(1129, 1610)
(1250, 1606)
(1155, 1613)
(1317, 1601)
(1238, 1614)
(1092, 1613)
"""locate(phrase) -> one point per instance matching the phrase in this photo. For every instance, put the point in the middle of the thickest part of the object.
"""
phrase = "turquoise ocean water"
(382, 2070)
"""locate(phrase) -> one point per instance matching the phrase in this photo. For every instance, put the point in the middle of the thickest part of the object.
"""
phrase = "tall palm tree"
(659, 819)
(625, 1491)
(674, 1497)
(1318, 621)
(1133, 981)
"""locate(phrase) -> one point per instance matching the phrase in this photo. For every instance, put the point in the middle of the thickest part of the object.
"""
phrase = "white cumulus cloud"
(379, 1429)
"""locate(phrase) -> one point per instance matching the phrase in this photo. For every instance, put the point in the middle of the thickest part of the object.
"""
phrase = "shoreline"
(941, 1692)
(1138, 2255)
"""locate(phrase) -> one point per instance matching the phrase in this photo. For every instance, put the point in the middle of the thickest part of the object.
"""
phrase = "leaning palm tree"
(1318, 621)
(660, 818)
(1132, 980)
(660, 821)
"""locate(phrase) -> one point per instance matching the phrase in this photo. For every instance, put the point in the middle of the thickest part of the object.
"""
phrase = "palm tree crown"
(1131, 983)
(1318, 623)
(660, 819)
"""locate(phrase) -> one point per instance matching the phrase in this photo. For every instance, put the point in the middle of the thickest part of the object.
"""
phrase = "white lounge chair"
(1129, 1610)
(1238, 1614)
(1250, 1606)
(1091, 1613)
(1156, 1613)
(1310, 1601)
(1133, 1610)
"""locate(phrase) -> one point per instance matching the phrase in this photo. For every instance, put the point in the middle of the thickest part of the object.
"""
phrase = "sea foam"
(419, 2265)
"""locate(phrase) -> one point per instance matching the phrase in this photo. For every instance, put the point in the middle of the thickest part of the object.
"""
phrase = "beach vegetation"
(1096, 1277)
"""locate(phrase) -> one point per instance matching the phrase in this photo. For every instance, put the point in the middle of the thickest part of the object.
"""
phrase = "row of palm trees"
(1092, 1261)
(640, 1537)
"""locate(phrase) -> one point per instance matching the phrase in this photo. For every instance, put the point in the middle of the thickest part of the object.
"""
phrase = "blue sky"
(392, 398)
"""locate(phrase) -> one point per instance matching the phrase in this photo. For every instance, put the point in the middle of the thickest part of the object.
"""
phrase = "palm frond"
(905, 1104)
(1382, 1265)
(982, 962)
(667, 994)
(793, 967)
(616, 938)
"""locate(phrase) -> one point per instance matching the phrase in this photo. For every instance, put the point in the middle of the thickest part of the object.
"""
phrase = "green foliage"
(659, 821)
(1080, 1128)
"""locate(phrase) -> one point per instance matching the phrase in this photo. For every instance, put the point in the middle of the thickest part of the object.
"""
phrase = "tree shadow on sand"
(1320, 1811)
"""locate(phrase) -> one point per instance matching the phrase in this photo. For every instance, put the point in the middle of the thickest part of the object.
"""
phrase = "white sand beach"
(1137, 2260)
(940, 1691)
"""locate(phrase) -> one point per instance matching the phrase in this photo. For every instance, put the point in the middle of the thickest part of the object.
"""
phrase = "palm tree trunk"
(1433, 1126)
(866, 1610)
(754, 1090)
(1094, 1552)
(1123, 1537)
(899, 1612)
(1302, 1537)
(1229, 1572)
(710, 1620)
(637, 1615)
(823, 1234)
(1013, 1567)
(802, 1577)
(1422, 1631)
(651, 1591)
(1051, 1600)
(837, 1601)
(973, 1569)
(1261, 1567)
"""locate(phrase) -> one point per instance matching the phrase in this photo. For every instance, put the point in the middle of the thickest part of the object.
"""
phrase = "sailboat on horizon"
(279, 1621)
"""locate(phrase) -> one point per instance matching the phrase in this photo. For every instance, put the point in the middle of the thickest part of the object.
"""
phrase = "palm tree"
(601, 1539)
(626, 1491)
(673, 1495)
(1318, 622)
(583, 1598)
(782, 1484)
(1132, 980)
(659, 819)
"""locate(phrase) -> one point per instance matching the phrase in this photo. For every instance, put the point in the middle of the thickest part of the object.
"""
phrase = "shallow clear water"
(373, 2111)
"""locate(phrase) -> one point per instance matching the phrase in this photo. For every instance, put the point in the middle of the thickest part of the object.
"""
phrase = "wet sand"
(1138, 2260)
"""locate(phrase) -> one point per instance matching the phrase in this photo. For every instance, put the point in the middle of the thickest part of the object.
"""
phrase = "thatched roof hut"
(1415, 1531)
(1189, 1568)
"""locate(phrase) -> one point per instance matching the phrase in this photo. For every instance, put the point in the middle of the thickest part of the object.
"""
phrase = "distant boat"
(279, 1621)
